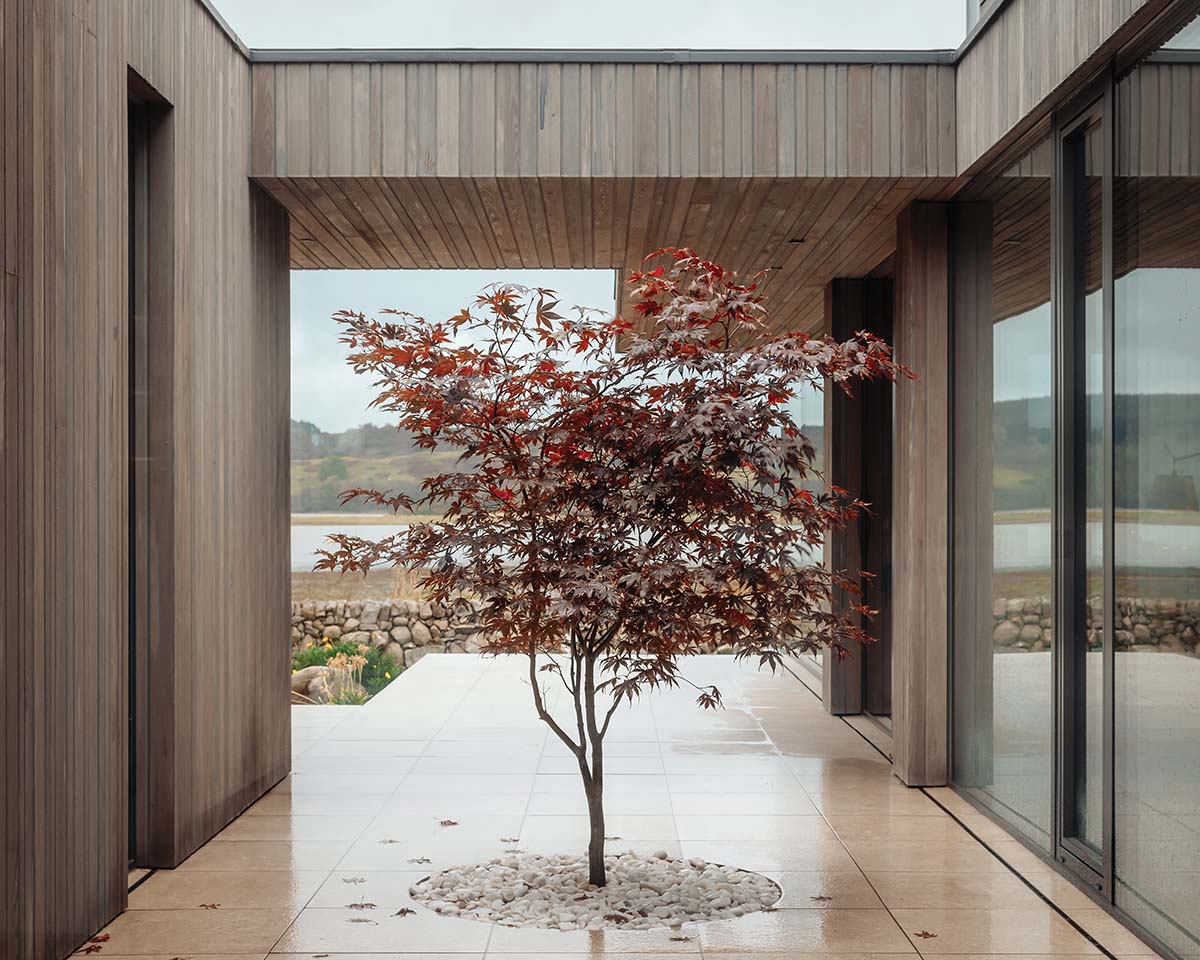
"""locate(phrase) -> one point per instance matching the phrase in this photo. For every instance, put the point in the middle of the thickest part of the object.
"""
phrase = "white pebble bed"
(642, 892)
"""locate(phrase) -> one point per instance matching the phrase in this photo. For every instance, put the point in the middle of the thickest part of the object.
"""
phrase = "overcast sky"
(325, 391)
(700, 24)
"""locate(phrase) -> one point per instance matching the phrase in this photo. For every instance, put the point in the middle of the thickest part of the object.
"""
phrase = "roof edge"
(656, 56)
(226, 28)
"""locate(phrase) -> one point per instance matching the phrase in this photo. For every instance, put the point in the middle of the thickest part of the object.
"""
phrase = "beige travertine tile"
(379, 956)
(809, 807)
(856, 801)
(806, 931)
(754, 827)
(350, 931)
(774, 856)
(1110, 932)
(387, 889)
(904, 827)
(1034, 931)
(297, 827)
(512, 940)
(953, 890)
(825, 890)
(286, 804)
(267, 855)
(233, 890)
(734, 804)
(175, 932)
(923, 856)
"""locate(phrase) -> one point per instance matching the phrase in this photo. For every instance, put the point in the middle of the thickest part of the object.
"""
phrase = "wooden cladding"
(603, 120)
(1006, 79)
(1160, 136)
(222, 716)
(804, 232)
(921, 498)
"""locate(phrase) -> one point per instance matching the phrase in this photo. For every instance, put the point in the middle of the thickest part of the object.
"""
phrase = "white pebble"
(653, 892)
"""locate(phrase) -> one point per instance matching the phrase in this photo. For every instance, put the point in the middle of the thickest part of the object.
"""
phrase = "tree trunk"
(595, 801)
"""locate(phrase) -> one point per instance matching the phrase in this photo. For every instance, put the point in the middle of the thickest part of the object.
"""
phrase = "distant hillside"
(1145, 426)
(325, 464)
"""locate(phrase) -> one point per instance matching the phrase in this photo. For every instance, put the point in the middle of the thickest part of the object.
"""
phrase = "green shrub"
(381, 668)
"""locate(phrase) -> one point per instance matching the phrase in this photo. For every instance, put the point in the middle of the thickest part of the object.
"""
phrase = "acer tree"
(629, 491)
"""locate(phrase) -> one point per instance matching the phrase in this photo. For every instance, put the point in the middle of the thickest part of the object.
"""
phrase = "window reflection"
(1004, 490)
(1156, 474)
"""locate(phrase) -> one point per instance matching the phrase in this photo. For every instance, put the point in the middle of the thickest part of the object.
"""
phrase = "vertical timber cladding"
(921, 497)
(858, 444)
(64, 382)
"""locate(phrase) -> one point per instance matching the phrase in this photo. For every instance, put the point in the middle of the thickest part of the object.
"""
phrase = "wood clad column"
(921, 497)
(858, 445)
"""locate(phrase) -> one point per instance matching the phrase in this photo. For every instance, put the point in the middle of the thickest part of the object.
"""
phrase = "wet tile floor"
(449, 765)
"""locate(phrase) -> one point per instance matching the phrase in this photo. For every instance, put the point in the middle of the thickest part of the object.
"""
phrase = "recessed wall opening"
(150, 339)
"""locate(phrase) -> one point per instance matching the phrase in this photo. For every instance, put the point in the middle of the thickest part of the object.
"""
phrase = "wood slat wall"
(1023, 57)
(845, 226)
(63, 450)
(921, 498)
(603, 120)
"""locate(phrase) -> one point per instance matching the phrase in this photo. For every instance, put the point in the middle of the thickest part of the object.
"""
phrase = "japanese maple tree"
(630, 491)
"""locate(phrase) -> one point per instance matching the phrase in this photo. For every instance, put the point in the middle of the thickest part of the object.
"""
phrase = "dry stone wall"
(1022, 625)
(406, 629)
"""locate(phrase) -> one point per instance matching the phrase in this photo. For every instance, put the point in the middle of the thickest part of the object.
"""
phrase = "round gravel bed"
(643, 892)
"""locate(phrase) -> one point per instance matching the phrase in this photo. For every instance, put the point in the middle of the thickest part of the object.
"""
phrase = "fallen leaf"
(510, 839)
(93, 948)
(614, 838)
(615, 918)
(925, 935)
(821, 899)
(512, 850)
(360, 920)
(101, 938)
(404, 912)
(681, 939)
(448, 823)
(362, 905)
(390, 840)
(349, 880)
(420, 860)
(209, 906)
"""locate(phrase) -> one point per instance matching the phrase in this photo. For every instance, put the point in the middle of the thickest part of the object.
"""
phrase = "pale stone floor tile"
(296, 827)
(936, 857)
(857, 829)
(267, 855)
(1035, 931)
(287, 804)
(806, 931)
(510, 940)
(1109, 931)
(176, 932)
(773, 856)
(813, 808)
(350, 931)
(754, 827)
(825, 890)
(744, 804)
(387, 889)
(236, 889)
(959, 890)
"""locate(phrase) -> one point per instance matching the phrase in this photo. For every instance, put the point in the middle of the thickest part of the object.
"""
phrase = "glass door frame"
(1070, 501)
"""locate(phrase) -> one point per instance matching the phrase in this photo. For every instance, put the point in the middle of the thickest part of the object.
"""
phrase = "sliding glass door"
(1083, 505)
(1076, 527)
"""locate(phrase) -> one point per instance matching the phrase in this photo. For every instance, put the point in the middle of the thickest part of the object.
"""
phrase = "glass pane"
(1004, 489)
(1088, 647)
(1157, 476)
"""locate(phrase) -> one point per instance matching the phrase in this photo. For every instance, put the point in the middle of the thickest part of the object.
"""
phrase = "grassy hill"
(325, 464)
